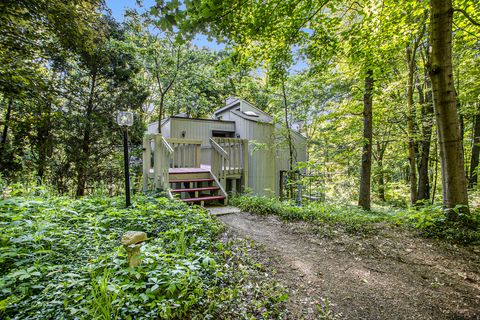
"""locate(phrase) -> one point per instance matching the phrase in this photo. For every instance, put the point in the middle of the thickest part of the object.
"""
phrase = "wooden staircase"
(196, 185)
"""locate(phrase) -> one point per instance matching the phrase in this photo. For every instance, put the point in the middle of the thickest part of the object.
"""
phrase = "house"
(240, 147)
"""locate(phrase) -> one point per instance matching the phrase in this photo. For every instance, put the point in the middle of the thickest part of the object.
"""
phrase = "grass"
(430, 221)
(62, 258)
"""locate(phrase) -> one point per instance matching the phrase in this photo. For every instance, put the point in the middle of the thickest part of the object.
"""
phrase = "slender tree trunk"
(160, 112)
(411, 125)
(381, 174)
(366, 166)
(381, 181)
(435, 172)
(289, 138)
(85, 144)
(3, 138)
(454, 182)
(43, 141)
(425, 100)
(474, 160)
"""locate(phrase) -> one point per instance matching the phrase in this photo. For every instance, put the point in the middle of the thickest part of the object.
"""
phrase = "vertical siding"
(201, 130)
(282, 153)
(152, 128)
(261, 165)
(245, 106)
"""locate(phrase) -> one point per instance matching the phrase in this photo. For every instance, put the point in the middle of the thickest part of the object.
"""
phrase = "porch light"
(125, 120)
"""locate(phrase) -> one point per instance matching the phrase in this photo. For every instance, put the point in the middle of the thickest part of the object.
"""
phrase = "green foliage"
(62, 258)
(430, 221)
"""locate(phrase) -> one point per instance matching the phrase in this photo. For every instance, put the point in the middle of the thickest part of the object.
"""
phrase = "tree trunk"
(366, 166)
(85, 144)
(3, 138)
(454, 182)
(381, 175)
(425, 100)
(411, 125)
(289, 138)
(160, 112)
(381, 181)
(475, 150)
(43, 141)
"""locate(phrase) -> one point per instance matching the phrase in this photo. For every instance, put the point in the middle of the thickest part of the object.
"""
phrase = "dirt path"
(390, 274)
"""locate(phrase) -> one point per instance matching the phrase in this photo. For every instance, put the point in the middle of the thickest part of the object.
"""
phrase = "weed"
(61, 258)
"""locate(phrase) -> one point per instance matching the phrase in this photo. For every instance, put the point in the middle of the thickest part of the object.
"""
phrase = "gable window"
(223, 134)
(251, 113)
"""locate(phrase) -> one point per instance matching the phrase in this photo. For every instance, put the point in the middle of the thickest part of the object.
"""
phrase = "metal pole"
(126, 165)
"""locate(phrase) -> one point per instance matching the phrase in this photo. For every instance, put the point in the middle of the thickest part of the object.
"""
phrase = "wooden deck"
(176, 166)
(188, 170)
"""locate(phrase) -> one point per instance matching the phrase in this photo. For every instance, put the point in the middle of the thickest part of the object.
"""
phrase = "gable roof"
(237, 102)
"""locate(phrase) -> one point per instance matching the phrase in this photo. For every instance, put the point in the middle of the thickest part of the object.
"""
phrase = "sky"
(118, 8)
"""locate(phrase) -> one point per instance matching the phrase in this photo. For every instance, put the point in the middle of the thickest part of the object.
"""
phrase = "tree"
(454, 184)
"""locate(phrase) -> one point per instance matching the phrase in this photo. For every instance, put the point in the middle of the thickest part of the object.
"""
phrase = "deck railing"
(237, 160)
(229, 158)
(186, 153)
(219, 161)
(156, 148)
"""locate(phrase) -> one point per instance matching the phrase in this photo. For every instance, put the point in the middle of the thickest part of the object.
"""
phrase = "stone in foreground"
(132, 242)
(133, 237)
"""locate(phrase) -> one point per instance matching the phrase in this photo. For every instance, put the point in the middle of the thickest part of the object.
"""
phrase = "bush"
(429, 220)
(62, 258)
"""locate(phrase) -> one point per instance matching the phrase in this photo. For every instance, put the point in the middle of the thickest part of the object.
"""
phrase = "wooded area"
(386, 94)
(67, 68)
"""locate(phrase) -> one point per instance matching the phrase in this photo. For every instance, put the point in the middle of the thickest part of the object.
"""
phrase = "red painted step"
(192, 180)
(195, 189)
(203, 199)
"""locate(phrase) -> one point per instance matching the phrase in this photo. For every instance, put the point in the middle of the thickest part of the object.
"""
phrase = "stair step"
(192, 180)
(195, 189)
(187, 170)
(203, 199)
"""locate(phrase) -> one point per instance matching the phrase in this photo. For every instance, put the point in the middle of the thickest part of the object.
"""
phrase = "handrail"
(167, 145)
(156, 172)
(219, 149)
(186, 152)
(236, 164)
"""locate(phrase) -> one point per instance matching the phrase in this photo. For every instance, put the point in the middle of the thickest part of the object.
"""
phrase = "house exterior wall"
(261, 165)
(282, 154)
(268, 150)
(152, 128)
(200, 130)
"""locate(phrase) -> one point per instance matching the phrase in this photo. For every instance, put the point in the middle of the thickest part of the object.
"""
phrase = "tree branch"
(475, 23)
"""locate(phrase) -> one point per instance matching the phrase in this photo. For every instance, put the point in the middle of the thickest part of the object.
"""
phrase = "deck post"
(146, 163)
(157, 162)
(198, 155)
(245, 164)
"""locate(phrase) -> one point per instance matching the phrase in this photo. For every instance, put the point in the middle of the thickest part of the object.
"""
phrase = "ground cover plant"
(428, 220)
(62, 258)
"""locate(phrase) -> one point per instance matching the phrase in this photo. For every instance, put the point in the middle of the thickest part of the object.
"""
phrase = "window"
(223, 134)
(251, 113)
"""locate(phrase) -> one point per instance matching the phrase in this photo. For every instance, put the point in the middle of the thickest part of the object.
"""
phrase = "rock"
(132, 241)
(133, 237)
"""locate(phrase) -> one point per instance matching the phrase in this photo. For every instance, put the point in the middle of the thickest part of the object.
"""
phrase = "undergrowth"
(430, 221)
(61, 258)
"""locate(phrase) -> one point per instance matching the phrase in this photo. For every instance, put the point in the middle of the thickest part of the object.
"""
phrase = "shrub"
(429, 220)
(61, 258)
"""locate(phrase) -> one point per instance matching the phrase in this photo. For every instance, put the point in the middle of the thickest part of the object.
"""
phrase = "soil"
(390, 273)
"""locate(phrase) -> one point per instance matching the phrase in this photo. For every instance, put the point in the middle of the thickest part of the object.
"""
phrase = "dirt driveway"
(389, 274)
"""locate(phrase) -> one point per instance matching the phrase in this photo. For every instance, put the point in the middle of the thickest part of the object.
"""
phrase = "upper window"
(251, 113)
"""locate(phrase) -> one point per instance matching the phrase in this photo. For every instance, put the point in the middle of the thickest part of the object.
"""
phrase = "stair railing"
(219, 162)
(187, 153)
(237, 160)
(156, 170)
